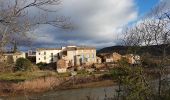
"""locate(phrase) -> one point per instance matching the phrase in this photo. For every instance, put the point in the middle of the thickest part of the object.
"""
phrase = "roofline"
(41, 49)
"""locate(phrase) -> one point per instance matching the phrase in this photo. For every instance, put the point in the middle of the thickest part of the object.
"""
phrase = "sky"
(97, 23)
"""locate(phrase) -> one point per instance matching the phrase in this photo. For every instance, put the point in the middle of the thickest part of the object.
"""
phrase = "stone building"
(111, 57)
(12, 57)
(132, 59)
(98, 60)
(62, 65)
(116, 57)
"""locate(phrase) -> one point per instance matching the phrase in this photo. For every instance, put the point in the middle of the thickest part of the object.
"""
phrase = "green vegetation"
(41, 65)
(22, 76)
(23, 64)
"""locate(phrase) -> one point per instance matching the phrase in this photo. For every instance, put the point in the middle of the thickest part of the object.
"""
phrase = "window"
(92, 55)
(39, 59)
(44, 58)
(52, 59)
(39, 53)
(44, 53)
(51, 54)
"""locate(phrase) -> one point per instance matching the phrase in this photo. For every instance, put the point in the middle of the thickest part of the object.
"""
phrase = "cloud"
(97, 23)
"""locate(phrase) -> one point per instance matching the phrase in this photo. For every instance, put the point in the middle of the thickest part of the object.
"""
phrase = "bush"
(23, 64)
(42, 65)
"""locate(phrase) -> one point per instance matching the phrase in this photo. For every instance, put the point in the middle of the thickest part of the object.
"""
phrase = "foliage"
(21, 76)
(42, 65)
(23, 64)
(149, 61)
(132, 82)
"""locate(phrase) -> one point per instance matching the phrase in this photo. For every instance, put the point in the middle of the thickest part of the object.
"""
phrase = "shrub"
(23, 64)
(42, 65)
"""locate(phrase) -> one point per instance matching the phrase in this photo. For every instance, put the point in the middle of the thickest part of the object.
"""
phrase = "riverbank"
(44, 84)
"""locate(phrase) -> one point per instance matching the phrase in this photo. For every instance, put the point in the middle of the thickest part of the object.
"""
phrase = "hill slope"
(153, 50)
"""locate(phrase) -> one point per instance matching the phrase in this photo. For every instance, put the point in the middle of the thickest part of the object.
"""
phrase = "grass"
(22, 76)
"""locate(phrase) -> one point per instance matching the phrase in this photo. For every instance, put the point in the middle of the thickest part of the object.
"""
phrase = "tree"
(132, 82)
(16, 21)
(23, 64)
(152, 31)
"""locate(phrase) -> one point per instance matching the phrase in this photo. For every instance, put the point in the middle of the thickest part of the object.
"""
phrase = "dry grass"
(31, 86)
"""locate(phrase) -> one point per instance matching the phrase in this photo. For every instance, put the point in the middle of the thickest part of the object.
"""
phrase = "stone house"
(12, 57)
(98, 60)
(108, 58)
(111, 57)
(116, 57)
(62, 65)
(132, 59)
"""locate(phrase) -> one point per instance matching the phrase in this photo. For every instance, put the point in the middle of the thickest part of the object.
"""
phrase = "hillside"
(153, 50)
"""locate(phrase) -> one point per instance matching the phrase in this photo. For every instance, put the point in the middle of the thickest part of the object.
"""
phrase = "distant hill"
(153, 50)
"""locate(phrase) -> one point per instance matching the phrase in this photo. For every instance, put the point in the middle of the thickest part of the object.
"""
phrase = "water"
(73, 94)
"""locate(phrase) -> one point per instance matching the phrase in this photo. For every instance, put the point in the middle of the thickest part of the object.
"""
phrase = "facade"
(133, 59)
(12, 57)
(62, 65)
(98, 60)
(116, 57)
(74, 55)
(80, 55)
(108, 58)
(111, 57)
(48, 55)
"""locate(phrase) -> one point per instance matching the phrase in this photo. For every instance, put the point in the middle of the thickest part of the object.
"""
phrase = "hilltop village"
(71, 58)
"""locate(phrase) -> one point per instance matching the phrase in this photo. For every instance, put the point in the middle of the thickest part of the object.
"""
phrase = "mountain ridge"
(155, 50)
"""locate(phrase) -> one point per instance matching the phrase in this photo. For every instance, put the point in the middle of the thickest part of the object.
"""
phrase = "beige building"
(80, 55)
(12, 57)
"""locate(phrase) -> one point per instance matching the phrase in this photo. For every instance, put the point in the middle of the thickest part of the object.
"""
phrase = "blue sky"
(98, 22)
(146, 5)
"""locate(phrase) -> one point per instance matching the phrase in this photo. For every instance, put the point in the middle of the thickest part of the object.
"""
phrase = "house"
(80, 55)
(98, 60)
(116, 57)
(12, 57)
(62, 66)
(108, 58)
(133, 59)
(111, 57)
(48, 55)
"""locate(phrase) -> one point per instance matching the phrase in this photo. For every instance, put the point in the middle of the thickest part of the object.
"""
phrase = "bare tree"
(152, 31)
(16, 21)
